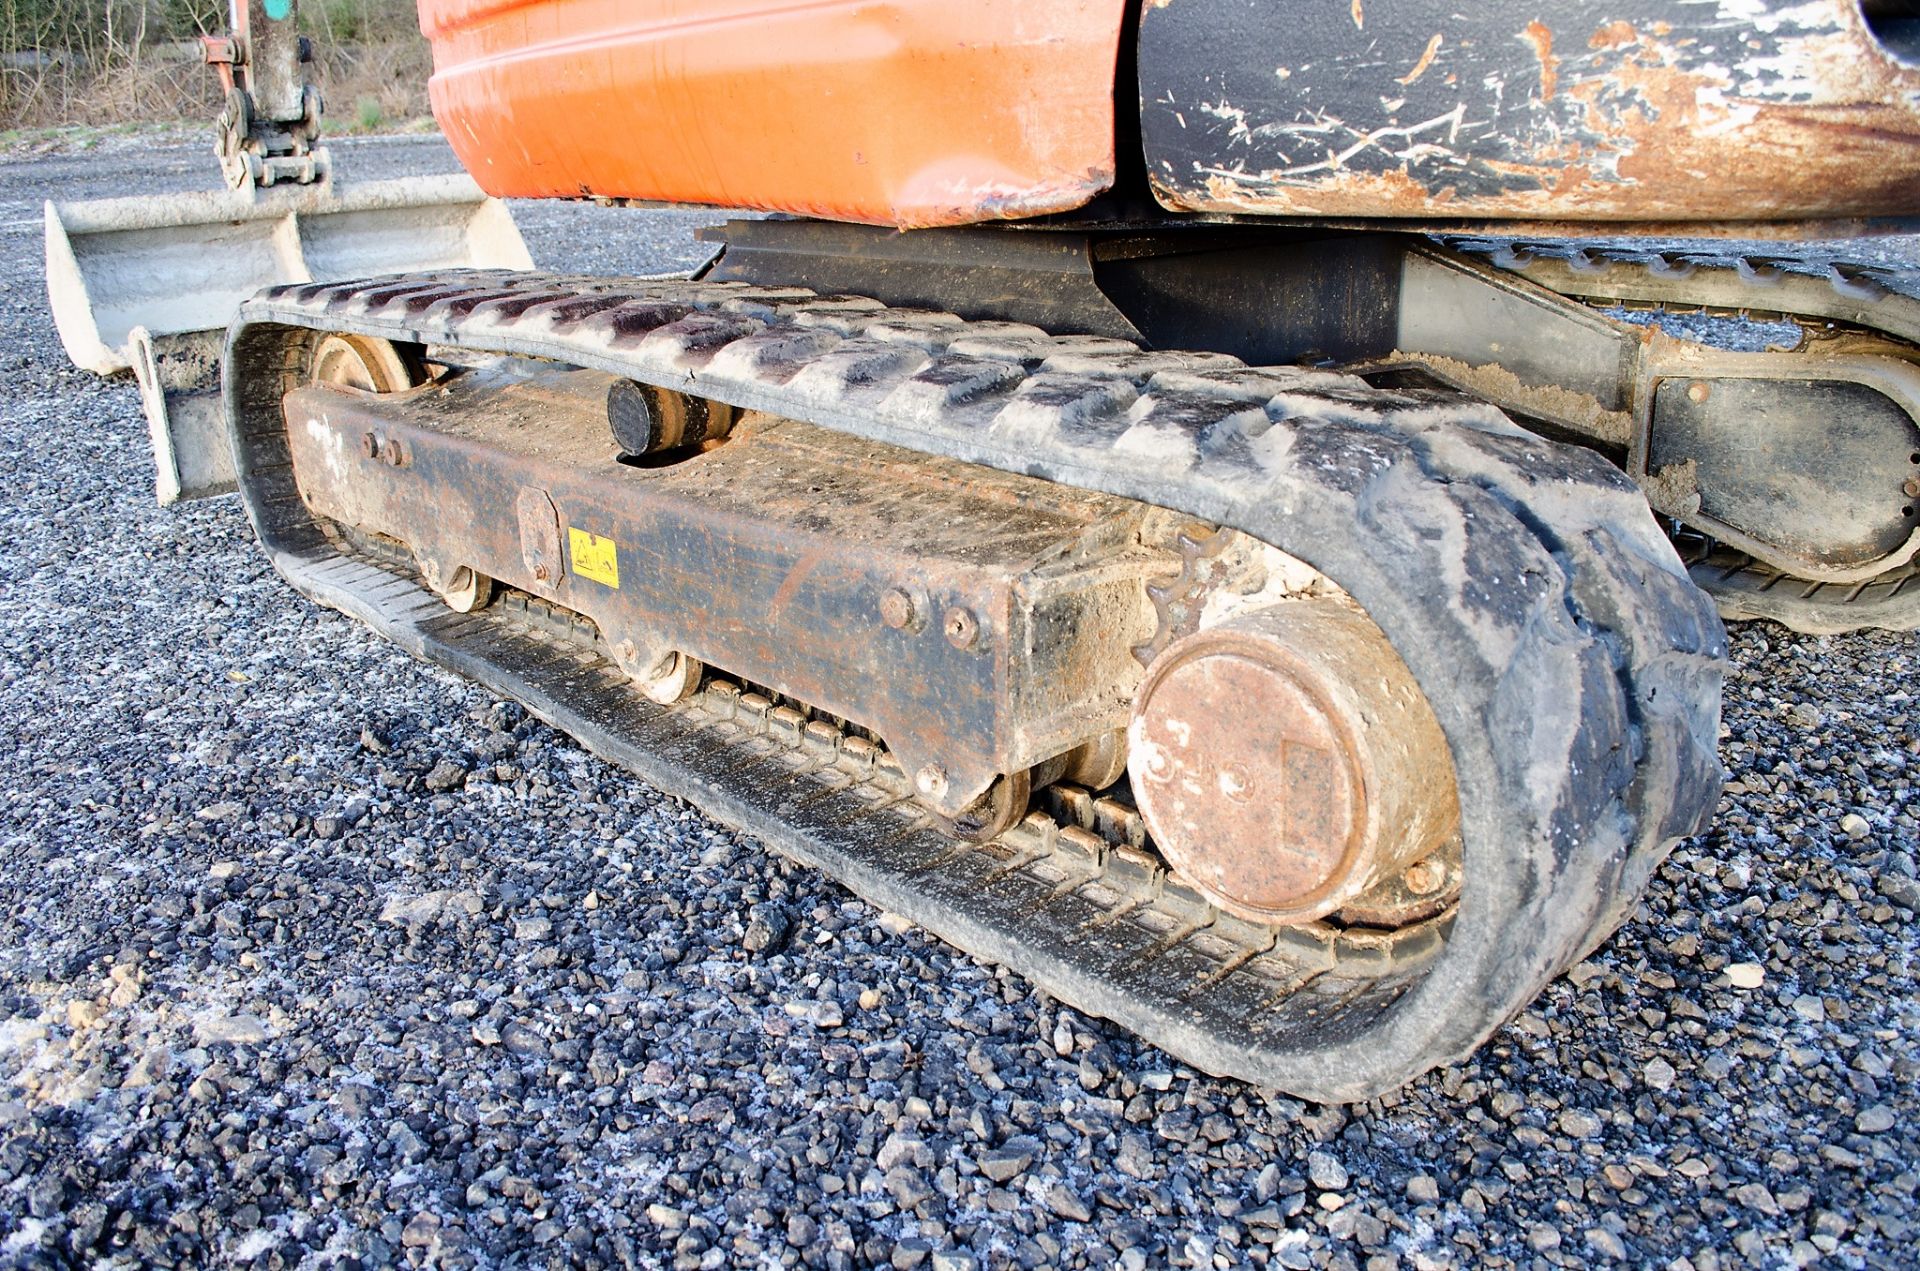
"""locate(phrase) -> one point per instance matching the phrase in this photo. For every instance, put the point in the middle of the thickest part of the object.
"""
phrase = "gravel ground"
(311, 955)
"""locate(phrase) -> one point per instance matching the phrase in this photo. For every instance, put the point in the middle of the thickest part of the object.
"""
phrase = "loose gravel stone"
(1326, 1172)
(1659, 1074)
(1003, 1164)
(448, 774)
(1062, 1200)
(1606, 1244)
(503, 1004)
(768, 927)
(1875, 1120)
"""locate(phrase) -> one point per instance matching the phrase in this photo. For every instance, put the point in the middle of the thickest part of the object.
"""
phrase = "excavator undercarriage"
(1270, 642)
(1304, 725)
(1221, 563)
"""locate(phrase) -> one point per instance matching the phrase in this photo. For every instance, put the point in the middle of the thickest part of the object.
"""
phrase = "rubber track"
(1746, 589)
(1701, 276)
(1574, 668)
(1874, 296)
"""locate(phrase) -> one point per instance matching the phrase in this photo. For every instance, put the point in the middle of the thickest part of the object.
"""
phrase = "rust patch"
(1712, 120)
(1426, 59)
(1541, 38)
(1616, 34)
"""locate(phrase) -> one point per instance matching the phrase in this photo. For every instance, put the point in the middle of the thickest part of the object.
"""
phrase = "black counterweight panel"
(1568, 109)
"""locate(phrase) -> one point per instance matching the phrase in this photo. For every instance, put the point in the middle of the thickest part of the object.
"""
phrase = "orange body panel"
(895, 112)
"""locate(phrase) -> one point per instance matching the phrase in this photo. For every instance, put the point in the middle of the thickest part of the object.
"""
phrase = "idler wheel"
(1286, 762)
(363, 362)
(993, 813)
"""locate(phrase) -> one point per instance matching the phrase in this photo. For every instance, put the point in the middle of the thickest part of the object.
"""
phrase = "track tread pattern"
(1571, 663)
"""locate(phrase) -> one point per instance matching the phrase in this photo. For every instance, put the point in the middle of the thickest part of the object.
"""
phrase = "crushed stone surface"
(273, 994)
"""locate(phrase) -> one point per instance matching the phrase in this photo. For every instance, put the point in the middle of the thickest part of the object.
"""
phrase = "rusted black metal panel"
(1573, 109)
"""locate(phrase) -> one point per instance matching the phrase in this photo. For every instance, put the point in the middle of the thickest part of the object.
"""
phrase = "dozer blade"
(149, 284)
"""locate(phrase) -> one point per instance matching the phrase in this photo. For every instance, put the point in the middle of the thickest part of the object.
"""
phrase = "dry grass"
(366, 87)
(109, 62)
(370, 86)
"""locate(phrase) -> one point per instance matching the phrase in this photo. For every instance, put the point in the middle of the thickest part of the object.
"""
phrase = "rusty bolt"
(896, 608)
(931, 781)
(628, 653)
(370, 446)
(396, 454)
(1912, 487)
(1424, 877)
(962, 628)
(1235, 783)
(1699, 391)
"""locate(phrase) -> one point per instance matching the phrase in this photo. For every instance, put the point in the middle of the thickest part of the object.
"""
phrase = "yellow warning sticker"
(594, 557)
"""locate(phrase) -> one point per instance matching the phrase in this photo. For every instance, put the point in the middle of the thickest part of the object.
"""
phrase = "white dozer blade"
(149, 284)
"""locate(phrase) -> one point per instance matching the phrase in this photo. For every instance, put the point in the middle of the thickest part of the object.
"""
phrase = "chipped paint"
(960, 191)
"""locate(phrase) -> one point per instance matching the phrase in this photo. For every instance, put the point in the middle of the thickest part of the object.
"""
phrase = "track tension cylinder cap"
(1286, 762)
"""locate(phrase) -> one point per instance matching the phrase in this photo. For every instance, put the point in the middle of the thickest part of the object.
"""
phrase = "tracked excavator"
(1216, 506)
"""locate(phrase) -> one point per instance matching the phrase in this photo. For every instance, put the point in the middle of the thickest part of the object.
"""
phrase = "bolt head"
(395, 453)
(1424, 877)
(962, 628)
(1699, 391)
(931, 781)
(896, 608)
(1912, 487)
(370, 446)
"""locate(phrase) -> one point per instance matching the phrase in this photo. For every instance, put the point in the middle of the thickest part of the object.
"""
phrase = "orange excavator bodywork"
(909, 112)
(921, 113)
